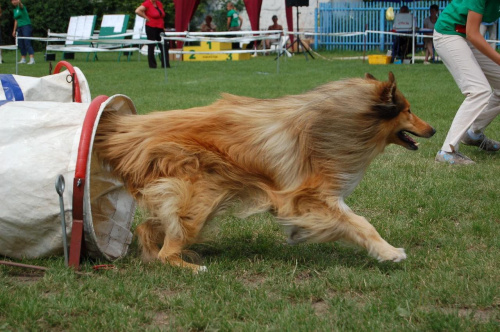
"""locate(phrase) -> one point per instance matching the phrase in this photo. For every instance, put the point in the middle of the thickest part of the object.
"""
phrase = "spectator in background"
(275, 26)
(404, 43)
(429, 24)
(23, 28)
(491, 29)
(152, 11)
(208, 26)
(234, 21)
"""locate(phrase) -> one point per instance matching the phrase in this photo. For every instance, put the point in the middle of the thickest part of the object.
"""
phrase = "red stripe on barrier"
(61, 64)
(79, 180)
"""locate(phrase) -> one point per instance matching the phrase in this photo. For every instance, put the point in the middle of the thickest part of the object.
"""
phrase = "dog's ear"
(392, 79)
(387, 107)
(388, 92)
(369, 76)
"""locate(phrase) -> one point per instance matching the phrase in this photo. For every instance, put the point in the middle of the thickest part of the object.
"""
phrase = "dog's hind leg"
(170, 254)
(150, 234)
(182, 208)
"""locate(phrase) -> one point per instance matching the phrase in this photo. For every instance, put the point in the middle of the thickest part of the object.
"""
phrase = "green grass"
(447, 219)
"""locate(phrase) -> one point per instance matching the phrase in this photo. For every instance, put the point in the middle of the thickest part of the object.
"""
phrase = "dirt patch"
(24, 277)
(167, 293)
(161, 318)
(479, 315)
(252, 280)
(28, 278)
(320, 307)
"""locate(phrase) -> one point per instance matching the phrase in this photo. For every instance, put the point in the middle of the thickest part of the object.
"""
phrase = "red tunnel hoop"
(79, 180)
(61, 64)
(86, 136)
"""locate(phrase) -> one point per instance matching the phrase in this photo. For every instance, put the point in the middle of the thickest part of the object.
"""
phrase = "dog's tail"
(116, 146)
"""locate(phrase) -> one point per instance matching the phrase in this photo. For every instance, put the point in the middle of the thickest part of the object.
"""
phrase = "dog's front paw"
(394, 255)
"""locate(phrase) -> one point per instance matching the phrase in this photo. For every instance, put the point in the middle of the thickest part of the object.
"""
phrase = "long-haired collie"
(296, 156)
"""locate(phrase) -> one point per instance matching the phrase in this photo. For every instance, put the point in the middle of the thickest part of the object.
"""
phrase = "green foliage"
(215, 8)
(55, 14)
(115, 7)
(6, 22)
(44, 15)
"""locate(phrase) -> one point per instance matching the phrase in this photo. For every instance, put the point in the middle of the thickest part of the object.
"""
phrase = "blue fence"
(348, 17)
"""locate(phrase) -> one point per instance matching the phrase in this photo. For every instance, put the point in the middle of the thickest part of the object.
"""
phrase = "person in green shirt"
(234, 21)
(23, 28)
(474, 65)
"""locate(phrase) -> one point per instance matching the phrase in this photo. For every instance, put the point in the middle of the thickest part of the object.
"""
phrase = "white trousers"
(478, 77)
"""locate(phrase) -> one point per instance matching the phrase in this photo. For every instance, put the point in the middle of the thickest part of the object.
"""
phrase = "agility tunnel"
(43, 139)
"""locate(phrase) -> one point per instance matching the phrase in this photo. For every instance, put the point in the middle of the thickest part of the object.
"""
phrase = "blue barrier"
(348, 17)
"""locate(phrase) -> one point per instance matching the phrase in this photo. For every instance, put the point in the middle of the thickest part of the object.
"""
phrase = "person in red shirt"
(152, 11)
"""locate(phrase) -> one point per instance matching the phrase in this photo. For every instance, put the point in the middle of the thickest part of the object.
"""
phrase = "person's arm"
(141, 11)
(474, 36)
(15, 29)
(241, 21)
(228, 22)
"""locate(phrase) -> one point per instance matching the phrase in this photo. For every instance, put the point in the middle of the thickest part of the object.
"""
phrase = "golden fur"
(295, 156)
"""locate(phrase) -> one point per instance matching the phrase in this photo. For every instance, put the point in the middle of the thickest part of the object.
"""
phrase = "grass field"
(447, 219)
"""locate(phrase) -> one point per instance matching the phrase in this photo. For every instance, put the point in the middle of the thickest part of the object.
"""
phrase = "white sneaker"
(427, 63)
(32, 61)
(453, 158)
(22, 61)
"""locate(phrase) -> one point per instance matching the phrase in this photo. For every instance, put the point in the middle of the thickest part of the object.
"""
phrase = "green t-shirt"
(21, 15)
(235, 18)
(456, 13)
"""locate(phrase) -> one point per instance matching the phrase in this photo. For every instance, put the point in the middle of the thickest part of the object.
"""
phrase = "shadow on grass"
(270, 247)
(275, 251)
